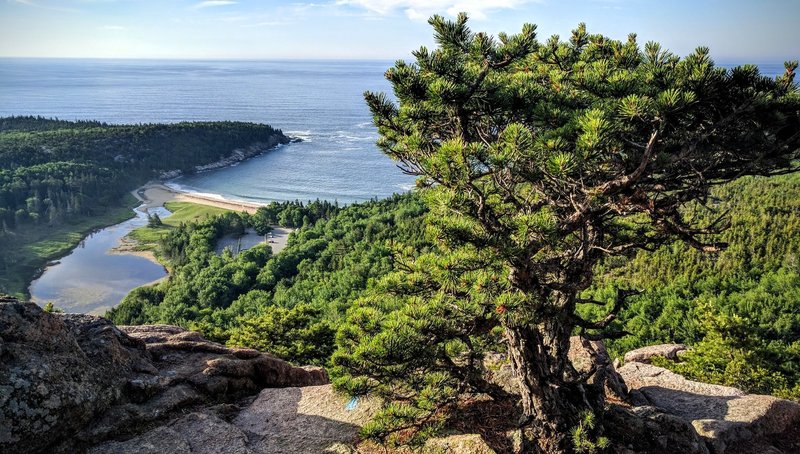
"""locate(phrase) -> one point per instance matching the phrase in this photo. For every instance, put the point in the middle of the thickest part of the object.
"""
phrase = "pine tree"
(538, 159)
(154, 221)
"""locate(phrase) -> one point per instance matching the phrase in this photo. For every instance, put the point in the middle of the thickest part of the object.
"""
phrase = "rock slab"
(727, 419)
(312, 419)
(646, 354)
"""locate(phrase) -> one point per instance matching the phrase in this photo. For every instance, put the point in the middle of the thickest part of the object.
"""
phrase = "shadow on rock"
(280, 420)
(727, 419)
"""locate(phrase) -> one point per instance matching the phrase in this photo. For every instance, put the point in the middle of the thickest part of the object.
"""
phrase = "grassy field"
(38, 245)
(147, 237)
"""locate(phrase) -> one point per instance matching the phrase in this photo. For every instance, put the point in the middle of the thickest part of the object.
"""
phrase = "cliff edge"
(70, 381)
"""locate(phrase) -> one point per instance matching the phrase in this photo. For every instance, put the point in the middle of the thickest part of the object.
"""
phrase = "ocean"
(319, 102)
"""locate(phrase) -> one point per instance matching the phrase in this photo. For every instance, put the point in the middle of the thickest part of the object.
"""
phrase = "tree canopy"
(539, 159)
(286, 304)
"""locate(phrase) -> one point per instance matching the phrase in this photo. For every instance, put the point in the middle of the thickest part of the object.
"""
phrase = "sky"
(737, 31)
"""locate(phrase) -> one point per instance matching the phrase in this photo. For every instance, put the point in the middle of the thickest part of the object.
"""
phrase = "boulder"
(645, 354)
(646, 429)
(458, 444)
(70, 381)
(727, 419)
(57, 373)
(215, 368)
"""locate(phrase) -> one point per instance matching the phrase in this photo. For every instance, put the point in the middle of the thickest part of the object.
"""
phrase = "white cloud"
(422, 9)
(212, 3)
(41, 6)
(273, 23)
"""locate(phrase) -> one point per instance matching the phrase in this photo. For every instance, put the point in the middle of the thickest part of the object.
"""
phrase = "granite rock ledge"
(71, 381)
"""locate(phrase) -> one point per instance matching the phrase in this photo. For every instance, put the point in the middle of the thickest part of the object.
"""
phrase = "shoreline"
(127, 246)
(157, 193)
(154, 194)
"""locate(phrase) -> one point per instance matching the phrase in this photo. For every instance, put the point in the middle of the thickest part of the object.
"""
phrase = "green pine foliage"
(154, 221)
(298, 333)
(421, 333)
(738, 309)
(51, 308)
(583, 438)
(292, 214)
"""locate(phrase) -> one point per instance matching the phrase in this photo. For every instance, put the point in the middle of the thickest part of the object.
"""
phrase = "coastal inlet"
(104, 267)
(93, 278)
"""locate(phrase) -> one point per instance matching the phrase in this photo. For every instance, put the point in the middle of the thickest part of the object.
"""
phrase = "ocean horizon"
(318, 101)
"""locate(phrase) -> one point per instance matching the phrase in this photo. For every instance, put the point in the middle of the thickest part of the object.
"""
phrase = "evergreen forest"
(737, 309)
(60, 179)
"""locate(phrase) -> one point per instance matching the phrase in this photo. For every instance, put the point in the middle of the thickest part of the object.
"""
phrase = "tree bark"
(550, 404)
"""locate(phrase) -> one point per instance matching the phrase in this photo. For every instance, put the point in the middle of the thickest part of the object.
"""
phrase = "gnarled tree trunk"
(552, 397)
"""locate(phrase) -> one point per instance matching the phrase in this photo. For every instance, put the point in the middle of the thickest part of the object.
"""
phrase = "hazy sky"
(757, 31)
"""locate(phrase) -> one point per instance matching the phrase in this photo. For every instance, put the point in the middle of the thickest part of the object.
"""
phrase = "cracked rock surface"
(71, 381)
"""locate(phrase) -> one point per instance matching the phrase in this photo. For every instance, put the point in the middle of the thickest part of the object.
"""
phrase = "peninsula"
(60, 180)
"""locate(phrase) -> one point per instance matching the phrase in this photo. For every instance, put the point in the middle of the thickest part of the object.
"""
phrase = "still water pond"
(93, 278)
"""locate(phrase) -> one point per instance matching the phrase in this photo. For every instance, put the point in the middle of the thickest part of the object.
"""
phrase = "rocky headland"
(236, 156)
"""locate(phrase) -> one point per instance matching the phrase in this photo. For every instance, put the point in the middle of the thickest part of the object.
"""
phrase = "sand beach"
(156, 194)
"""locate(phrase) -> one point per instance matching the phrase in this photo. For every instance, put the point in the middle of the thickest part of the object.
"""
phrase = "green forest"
(291, 303)
(737, 309)
(60, 179)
